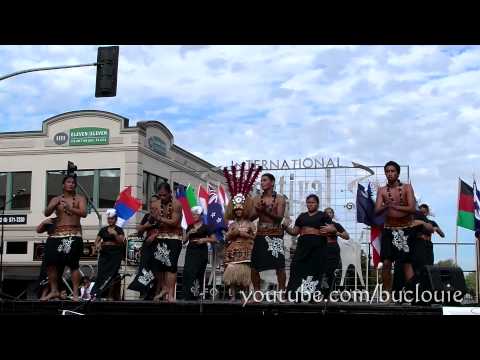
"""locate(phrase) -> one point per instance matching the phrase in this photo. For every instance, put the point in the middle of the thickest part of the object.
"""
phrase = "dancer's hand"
(260, 207)
(286, 222)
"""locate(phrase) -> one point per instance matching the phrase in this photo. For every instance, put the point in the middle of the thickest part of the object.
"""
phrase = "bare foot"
(50, 296)
(75, 298)
(170, 299)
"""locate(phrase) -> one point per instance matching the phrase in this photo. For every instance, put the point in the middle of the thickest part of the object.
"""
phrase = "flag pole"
(477, 250)
(456, 222)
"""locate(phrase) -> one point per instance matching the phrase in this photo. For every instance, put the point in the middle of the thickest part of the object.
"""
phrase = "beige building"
(109, 154)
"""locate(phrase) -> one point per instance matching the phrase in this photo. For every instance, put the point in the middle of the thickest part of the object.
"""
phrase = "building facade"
(109, 154)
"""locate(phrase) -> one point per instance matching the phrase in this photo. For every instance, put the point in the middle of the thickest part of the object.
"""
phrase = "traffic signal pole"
(107, 69)
(44, 69)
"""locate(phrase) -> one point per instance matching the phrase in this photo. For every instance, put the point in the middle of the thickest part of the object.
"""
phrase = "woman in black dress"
(198, 236)
(309, 262)
(144, 280)
(333, 250)
(110, 242)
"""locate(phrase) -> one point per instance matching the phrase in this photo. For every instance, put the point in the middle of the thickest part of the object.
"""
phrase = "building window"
(54, 184)
(3, 189)
(150, 186)
(102, 186)
(17, 247)
(109, 187)
(86, 179)
(21, 186)
(15, 190)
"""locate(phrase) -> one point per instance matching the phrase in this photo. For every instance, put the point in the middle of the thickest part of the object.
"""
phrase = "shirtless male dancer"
(65, 245)
(398, 237)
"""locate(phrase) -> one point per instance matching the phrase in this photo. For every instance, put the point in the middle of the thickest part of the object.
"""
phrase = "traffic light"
(107, 67)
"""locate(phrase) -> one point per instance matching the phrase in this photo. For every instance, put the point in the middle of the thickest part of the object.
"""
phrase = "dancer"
(144, 281)
(333, 250)
(166, 240)
(65, 245)
(241, 231)
(48, 226)
(196, 258)
(268, 250)
(425, 245)
(309, 263)
(398, 237)
(110, 242)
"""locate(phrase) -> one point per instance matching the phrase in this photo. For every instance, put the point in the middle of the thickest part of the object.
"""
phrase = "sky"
(417, 105)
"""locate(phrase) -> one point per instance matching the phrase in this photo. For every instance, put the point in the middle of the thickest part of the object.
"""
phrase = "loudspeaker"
(447, 284)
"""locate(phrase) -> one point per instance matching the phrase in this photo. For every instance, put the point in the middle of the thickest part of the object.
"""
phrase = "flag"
(366, 207)
(126, 206)
(476, 205)
(191, 197)
(222, 196)
(215, 213)
(203, 201)
(187, 218)
(375, 242)
(366, 215)
(466, 214)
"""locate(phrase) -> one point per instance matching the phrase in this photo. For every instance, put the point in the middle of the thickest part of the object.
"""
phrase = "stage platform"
(210, 308)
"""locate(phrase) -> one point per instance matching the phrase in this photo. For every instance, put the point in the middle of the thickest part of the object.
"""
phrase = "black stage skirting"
(209, 308)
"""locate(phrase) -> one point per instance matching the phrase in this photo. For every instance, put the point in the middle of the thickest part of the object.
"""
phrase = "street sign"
(13, 219)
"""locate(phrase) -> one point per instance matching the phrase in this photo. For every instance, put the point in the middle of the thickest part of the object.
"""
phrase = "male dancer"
(398, 201)
(65, 245)
(268, 250)
(166, 239)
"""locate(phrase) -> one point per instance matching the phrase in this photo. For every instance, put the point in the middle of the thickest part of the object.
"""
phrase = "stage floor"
(209, 308)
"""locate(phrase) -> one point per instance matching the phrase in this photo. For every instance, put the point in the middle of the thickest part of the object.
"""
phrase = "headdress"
(239, 187)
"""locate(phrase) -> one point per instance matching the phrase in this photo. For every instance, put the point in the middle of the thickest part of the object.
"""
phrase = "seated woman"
(309, 263)
(110, 243)
(198, 236)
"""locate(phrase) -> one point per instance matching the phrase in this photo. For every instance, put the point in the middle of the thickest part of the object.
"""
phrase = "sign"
(157, 145)
(295, 164)
(463, 310)
(60, 138)
(13, 219)
(89, 136)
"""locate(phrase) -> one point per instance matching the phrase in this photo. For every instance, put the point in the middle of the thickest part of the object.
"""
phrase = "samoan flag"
(187, 217)
(215, 214)
(126, 206)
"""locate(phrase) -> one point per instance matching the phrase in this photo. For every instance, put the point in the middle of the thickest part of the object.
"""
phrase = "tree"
(470, 282)
(446, 263)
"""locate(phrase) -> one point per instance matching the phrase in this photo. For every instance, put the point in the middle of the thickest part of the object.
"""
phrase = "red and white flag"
(222, 197)
(375, 241)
